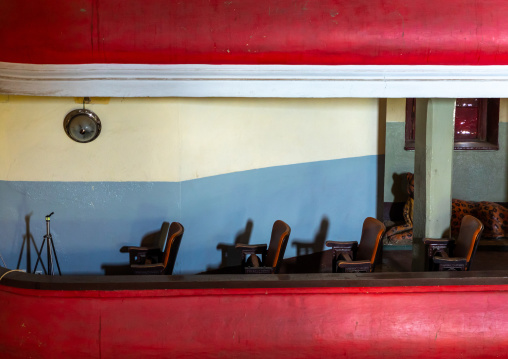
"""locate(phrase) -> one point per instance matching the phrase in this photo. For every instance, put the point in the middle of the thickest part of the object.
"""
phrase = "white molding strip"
(135, 80)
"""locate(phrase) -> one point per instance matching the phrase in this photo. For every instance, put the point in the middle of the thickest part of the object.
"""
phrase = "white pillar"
(434, 132)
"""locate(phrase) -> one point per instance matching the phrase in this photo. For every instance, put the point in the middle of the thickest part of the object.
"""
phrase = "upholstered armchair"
(169, 255)
(447, 254)
(153, 254)
(351, 257)
(271, 258)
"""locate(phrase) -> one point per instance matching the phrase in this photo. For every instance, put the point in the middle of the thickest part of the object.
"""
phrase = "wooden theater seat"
(169, 257)
(271, 259)
(353, 257)
(447, 254)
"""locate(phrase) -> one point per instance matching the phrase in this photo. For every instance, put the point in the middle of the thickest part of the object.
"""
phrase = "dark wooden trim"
(493, 122)
(409, 143)
(239, 281)
(488, 128)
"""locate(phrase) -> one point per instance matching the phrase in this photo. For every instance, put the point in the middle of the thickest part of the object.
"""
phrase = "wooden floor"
(491, 255)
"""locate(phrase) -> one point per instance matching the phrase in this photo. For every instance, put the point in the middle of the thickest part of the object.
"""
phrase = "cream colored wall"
(503, 110)
(138, 142)
(396, 110)
(231, 135)
(175, 139)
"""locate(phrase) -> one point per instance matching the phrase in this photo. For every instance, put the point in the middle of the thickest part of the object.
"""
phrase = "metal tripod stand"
(48, 240)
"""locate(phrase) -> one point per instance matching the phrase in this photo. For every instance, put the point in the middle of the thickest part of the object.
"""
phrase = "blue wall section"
(94, 219)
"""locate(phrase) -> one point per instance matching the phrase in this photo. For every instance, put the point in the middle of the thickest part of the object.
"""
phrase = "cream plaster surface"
(138, 142)
(175, 139)
(503, 110)
(230, 135)
(396, 110)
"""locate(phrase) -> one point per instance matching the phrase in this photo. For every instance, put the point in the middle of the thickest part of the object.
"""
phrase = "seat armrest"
(252, 248)
(437, 246)
(343, 264)
(341, 249)
(355, 266)
(137, 249)
(438, 241)
(342, 246)
(449, 260)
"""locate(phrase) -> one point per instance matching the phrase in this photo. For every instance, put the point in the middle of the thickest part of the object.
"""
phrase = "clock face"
(82, 125)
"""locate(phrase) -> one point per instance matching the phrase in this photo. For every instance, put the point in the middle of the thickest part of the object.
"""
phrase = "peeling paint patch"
(334, 13)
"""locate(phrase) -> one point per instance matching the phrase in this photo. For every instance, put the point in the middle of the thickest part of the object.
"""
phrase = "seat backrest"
(172, 246)
(469, 236)
(369, 245)
(277, 246)
(163, 236)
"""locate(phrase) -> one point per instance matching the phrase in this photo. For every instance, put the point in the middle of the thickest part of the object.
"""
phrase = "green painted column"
(434, 134)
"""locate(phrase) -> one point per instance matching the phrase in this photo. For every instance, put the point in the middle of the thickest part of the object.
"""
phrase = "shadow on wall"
(230, 256)
(148, 240)
(394, 210)
(304, 263)
(310, 255)
(399, 187)
(303, 248)
(26, 246)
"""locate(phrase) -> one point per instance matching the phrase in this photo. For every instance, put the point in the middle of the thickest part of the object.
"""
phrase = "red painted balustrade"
(416, 315)
(311, 32)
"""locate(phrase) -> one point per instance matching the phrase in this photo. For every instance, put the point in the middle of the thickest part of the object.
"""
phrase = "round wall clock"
(82, 125)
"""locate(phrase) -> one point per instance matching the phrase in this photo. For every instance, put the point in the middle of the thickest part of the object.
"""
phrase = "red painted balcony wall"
(357, 322)
(329, 32)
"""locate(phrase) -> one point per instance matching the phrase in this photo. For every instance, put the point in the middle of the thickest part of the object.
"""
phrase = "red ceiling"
(313, 32)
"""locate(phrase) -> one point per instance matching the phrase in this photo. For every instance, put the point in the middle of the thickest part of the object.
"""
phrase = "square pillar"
(434, 142)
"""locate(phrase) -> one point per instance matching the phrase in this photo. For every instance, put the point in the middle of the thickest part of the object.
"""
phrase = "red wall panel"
(430, 322)
(453, 32)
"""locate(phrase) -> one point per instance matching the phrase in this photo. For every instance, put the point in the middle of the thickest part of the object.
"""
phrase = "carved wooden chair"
(271, 259)
(146, 255)
(447, 254)
(169, 257)
(351, 257)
